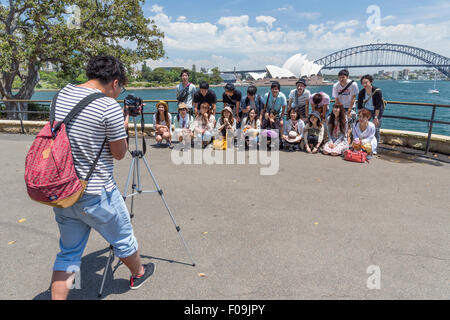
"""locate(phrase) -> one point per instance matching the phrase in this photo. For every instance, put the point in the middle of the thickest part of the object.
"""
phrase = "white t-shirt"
(102, 118)
(346, 97)
(163, 122)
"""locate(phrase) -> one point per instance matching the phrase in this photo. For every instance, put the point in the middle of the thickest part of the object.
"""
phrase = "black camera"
(134, 103)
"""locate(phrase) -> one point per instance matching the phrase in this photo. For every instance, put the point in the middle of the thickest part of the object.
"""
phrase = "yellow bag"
(220, 144)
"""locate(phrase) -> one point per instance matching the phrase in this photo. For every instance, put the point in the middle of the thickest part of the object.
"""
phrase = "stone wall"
(410, 139)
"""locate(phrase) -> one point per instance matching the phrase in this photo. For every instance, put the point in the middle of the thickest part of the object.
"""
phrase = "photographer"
(102, 206)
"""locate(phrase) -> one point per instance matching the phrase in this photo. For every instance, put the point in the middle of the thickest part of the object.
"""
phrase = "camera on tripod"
(134, 104)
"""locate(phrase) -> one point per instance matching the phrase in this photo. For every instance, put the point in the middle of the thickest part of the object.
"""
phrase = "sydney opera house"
(295, 67)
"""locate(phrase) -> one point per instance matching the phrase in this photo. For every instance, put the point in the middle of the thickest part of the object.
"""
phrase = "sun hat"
(166, 106)
(293, 137)
(182, 105)
(315, 114)
(228, 109)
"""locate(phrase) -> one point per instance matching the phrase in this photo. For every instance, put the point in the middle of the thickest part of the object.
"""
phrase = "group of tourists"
(301, 121)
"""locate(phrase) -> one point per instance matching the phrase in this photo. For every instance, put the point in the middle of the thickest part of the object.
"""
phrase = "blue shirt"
(275, 103)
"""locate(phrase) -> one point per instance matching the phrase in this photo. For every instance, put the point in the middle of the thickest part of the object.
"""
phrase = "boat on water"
(434, 90)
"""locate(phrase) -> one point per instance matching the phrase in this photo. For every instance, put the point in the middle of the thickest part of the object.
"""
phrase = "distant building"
(228, 77)
(395, 75)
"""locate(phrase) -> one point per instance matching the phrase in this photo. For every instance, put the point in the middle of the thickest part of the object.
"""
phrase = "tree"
(34, 32)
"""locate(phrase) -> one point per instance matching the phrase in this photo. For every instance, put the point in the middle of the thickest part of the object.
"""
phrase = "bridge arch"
(418, 58)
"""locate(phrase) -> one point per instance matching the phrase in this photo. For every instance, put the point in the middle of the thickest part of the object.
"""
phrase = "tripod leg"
(168, 210)
(105, 272)
(130, 171)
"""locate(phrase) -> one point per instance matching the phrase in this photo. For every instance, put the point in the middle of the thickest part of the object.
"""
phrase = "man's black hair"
(204, 85)
(275, 84)
(106, 69)
(251, 90)
(229, 87)
(343, 72)
(184, 71)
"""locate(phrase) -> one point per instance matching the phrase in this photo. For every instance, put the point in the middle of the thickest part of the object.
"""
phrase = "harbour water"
(411, 91)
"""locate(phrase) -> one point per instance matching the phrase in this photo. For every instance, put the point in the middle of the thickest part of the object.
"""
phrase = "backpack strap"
(75, 110)
(80, 106)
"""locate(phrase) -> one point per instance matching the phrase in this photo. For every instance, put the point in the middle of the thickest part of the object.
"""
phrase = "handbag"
(355, 156)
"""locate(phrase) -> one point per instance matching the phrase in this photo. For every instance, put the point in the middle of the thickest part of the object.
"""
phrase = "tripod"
(135, 172)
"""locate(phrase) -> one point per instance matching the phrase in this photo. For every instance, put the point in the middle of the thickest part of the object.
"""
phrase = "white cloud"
(241, 21)
(266, 19)
(157, 9)
(231, 41)
(346, 24)
(309, 15)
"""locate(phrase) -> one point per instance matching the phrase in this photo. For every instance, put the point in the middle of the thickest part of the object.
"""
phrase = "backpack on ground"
(50, 174)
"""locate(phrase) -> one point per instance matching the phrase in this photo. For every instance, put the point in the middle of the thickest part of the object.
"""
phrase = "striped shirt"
(103, 118)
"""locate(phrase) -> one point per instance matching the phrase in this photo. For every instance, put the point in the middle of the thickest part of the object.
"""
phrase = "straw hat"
(166, 106)
(293, 137)
(182, 105)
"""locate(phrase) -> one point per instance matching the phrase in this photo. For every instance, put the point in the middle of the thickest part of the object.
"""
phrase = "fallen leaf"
(11, 242)
(206, 232)
(202, 275)
(316, 223)
(22, 220)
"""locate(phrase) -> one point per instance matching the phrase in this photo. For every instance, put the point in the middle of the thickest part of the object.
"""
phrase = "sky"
(251, 34)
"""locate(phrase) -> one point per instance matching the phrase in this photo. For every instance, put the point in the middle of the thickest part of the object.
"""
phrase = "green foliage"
(160, 77)
(33, 33)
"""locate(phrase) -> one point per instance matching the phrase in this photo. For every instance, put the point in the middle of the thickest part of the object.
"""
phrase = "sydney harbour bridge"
(380, 55)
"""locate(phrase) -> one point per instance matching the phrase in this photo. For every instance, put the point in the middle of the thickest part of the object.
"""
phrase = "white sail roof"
(257, 76)
(277, 72)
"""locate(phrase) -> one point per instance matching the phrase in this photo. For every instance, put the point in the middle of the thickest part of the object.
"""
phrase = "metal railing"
(431, 121)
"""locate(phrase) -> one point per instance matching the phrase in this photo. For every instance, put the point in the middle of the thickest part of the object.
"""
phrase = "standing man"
(204, 94)
(232, 98)
(185, 91)
(345, 91)
(251, 101)
(274, 100)
(102, 206)
(299, 99)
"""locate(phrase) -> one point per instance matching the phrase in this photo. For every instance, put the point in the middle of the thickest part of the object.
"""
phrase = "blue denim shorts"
(107, 213)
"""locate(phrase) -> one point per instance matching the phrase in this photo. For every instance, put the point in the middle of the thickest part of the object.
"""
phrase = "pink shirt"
(325, 99)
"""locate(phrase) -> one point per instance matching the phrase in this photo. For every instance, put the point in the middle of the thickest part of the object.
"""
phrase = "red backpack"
(50, 174)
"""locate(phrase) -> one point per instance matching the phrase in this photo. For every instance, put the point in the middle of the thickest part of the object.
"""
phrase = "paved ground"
(309, 232)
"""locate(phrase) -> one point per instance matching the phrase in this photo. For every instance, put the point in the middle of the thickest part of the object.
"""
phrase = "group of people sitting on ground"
(303, 121)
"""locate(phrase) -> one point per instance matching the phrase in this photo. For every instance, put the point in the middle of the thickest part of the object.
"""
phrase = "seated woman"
(204, 124)
(226, 123)
(364, 133)
(183, 124)
(337, 131)
(313, 133)
(251, 127)
(292, 131)
(162, 121)
(270, 127)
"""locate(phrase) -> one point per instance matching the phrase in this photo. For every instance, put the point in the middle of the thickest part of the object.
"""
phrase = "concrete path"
(311, 231)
